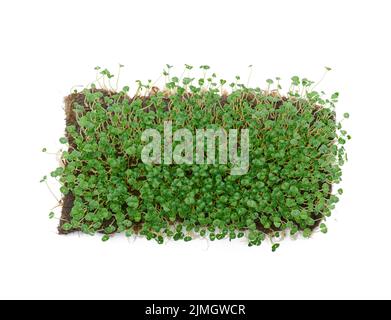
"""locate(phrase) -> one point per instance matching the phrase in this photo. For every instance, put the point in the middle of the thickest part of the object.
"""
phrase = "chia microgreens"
(296, 153)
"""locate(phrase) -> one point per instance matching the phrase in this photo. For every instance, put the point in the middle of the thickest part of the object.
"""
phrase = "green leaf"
(105, 238)
(251, 204)
(63, 140)
(307, 233)
(335, 95)
(66, 227)
(132, 202)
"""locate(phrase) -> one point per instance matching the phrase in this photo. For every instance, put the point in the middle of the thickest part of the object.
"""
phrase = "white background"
(49, 46)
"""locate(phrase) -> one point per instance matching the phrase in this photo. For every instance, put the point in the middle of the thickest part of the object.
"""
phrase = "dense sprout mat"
(295, 150)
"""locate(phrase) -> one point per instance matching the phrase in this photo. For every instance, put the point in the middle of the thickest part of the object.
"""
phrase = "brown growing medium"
(70, 119)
